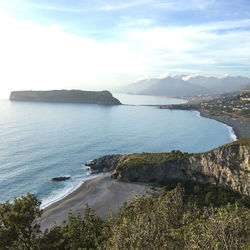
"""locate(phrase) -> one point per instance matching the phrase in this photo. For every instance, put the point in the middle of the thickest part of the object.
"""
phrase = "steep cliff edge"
(228, 166)
(65, 96)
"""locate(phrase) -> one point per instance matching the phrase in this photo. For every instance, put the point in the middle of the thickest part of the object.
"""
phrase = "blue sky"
(97, 44)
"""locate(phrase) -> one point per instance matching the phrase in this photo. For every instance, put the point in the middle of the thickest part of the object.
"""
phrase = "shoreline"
(62, 195)
(101, 193)
(241, 129)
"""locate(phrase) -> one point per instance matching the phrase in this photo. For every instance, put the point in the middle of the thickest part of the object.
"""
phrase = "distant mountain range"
(184, 85)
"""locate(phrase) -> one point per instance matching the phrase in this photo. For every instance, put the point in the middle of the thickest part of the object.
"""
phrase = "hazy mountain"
(224, 84)
(184, 85)
(173, 87)
(137, 87)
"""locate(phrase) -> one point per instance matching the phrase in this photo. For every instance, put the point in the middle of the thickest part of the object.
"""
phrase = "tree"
(78, 233)
(220, 228)
(18, 226)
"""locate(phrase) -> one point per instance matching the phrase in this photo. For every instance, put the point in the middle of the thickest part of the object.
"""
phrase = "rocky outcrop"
(60, 178)
(104, 164)
(227, 166)
(66, 96)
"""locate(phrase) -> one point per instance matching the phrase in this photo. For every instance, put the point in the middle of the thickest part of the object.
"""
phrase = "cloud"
(184, 5)
(129, 23)
(122, 5)
(164, 75)
(194, 45)
(225, 25)
(56, 8)
(21, 5)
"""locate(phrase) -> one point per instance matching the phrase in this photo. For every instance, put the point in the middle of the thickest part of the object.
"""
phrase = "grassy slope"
(142, 159)
(136, 160)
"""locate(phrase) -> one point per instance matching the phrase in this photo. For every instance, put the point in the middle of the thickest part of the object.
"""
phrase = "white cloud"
(194, 45)
(188, 77)
(164, 75)
(21, 5)
(123, 5)
(56, 8)
(223, 76)
(225, 25)
(184, 5)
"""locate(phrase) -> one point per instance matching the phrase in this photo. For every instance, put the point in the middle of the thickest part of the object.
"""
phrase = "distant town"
(234, 105)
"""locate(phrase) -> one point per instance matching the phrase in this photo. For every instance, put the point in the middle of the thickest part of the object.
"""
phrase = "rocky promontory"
(66, 96)
(227, 166)
(104, 164)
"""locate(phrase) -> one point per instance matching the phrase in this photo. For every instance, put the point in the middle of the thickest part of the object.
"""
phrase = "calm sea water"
(39, 141)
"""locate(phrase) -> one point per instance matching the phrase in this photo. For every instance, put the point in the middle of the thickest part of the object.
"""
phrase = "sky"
(97, 44)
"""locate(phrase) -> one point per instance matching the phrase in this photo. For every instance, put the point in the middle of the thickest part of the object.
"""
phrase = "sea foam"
(60, 194)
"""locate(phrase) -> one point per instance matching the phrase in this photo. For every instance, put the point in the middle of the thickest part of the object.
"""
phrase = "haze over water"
(40, 141)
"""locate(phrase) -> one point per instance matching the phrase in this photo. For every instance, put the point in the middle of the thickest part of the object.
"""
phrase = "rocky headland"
(66, 96)
(227, 166)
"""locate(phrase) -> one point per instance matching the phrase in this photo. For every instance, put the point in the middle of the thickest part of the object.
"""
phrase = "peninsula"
(66, 96)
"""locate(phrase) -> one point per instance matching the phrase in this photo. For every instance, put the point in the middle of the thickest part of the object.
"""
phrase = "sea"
(39, 141)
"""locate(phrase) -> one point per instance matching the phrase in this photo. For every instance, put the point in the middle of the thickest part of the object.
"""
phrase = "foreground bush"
(169, 220)
(18, 226)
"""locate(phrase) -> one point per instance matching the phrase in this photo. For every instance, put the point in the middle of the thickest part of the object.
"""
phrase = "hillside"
(65, 96)
(227, 166)
(174, 87)
(186, 85)
(235, 105)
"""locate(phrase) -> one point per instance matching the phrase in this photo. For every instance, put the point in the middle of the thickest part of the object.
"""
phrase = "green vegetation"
(181, 216)
(142, 159)
(18, 226)
(87, 233)
(207, 194)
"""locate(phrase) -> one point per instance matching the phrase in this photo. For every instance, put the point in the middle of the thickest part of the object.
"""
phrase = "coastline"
(101, 193)
(68, 191)
(240, 128)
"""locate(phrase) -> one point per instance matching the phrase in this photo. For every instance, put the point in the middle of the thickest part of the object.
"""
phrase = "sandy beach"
(102, 193)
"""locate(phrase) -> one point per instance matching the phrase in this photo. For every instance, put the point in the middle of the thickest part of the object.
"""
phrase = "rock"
(104, 164)
(60, 178)
(66, 96)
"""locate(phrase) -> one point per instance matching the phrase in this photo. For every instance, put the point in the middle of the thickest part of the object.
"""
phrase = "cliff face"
(65, 96)
(228, 166)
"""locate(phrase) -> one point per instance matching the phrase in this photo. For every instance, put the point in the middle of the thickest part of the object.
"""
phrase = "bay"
(39, 141)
